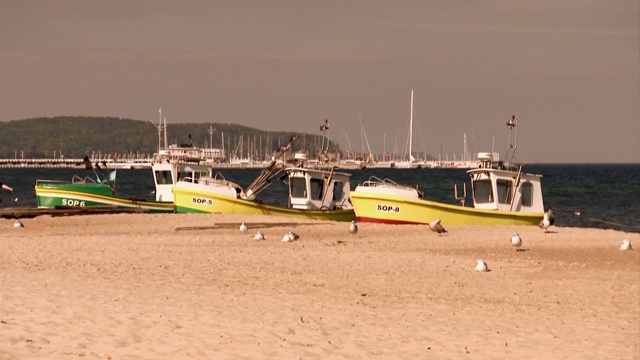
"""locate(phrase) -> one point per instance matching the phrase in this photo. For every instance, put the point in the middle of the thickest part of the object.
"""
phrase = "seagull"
(243, 227)
(545, 223)
(516, 242)
(353, 227)
(436, 227)
(18, 224)
(625, 245)
(481, 266)
(259, 236)
(290, 237)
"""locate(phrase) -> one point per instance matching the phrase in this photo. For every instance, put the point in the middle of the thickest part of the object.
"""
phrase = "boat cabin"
(166, 174)
(506, 190)
(311, 189)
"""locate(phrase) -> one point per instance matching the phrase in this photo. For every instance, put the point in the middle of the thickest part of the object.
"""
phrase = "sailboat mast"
(411, 129)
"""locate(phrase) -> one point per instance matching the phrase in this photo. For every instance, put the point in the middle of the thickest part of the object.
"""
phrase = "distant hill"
(77, 136)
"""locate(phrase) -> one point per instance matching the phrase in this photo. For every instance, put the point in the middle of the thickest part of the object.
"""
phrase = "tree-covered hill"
(77, 136)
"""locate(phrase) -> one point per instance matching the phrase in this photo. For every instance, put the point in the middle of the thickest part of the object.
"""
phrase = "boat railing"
(77, 179)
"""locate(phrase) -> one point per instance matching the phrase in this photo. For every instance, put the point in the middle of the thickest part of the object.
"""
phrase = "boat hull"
(191, 200)
(393, 209)
(60, 194)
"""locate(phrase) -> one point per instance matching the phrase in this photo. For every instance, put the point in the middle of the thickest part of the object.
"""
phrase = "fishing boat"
(101, 190)
(501, 192)
(170, 163)
(314, 194)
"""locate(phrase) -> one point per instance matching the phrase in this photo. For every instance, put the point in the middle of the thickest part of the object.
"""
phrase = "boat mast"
(513, 141)
(211, 131)
(411, 158)
(165, 133)
(159, 131)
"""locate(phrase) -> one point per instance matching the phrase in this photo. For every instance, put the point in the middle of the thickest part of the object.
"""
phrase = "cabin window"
(337, 190)
(163, 177)
(527, 194)
(316, 189)
(482, 191)
(298, 188)
(504, 191)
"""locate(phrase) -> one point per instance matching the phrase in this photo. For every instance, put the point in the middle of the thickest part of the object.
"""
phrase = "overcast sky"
(569, 70)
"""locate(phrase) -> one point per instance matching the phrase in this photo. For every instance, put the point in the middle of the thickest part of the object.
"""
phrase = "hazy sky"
(569, 70)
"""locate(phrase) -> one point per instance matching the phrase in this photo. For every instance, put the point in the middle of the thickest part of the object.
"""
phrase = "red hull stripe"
(387, 221)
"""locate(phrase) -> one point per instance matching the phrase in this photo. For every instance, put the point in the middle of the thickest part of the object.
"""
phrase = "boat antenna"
(512, 124)
(325, 132)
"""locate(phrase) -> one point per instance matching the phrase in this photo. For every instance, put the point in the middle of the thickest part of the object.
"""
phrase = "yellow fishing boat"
(502, 194)
(313, 194)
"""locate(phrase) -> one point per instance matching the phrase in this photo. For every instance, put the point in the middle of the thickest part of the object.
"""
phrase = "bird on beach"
(259, 236)
(436, 227)
(545, 223)
(625, 245)
(243, 227)
(516, 242)
(353, 227)
(482, 266)
(290, 237)
(18, 224)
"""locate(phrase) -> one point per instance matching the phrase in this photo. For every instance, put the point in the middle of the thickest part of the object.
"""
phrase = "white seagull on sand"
(259, 236)
(290, 237)
(243, 227)
(516, 242)
(353, 227)
(436, 227)
(18, 224)
(545, 223)
(481, 266)
(625, 245)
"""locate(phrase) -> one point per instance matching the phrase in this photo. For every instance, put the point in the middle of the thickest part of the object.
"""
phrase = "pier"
(65, 163)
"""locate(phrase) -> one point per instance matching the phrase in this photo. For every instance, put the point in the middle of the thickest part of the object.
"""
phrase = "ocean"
(606, 196)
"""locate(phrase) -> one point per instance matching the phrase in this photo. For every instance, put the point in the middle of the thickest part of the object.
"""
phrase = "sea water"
(605, 196)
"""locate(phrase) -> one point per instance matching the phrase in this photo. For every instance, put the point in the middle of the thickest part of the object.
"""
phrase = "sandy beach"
(185, 286)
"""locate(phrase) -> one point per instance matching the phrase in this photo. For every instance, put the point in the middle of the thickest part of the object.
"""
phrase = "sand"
(185, 286)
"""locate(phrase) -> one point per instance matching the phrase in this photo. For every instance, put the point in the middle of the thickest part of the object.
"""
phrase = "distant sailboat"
(404, 164)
